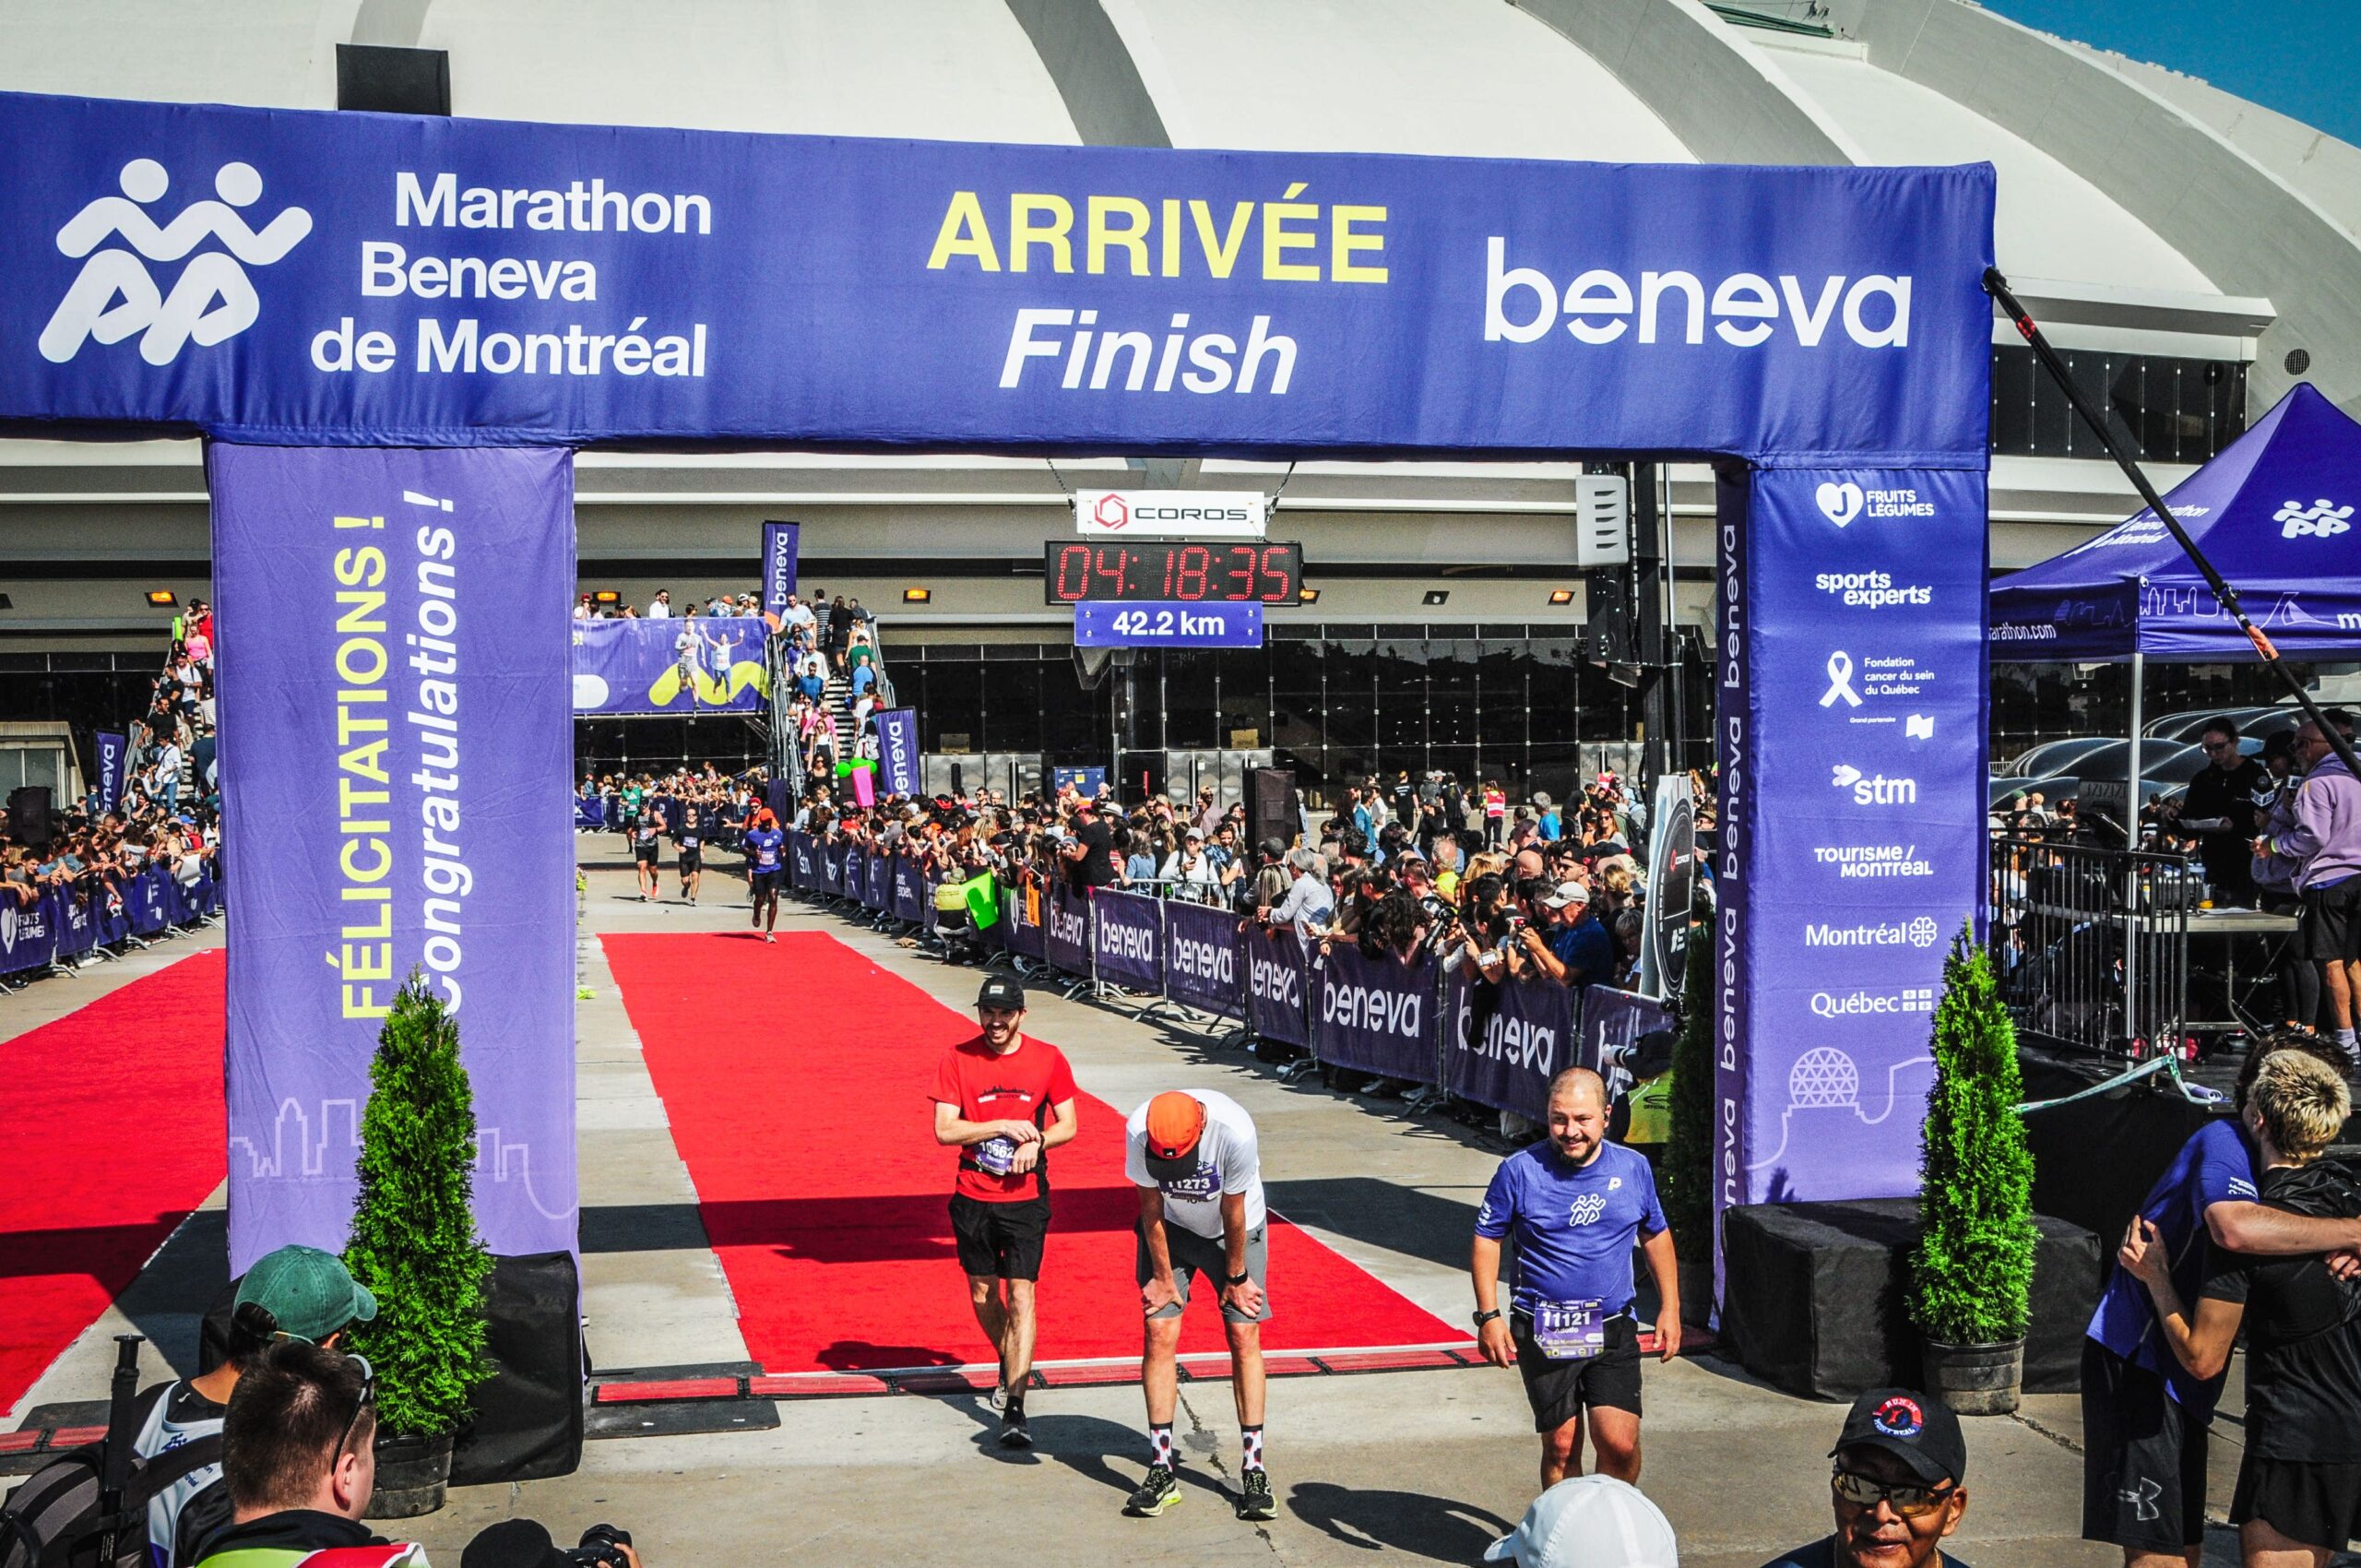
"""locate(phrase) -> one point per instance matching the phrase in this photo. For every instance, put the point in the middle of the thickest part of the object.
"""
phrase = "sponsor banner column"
(898, 749)
(1857, 841)
(780, 542)
(111, 766)
(1201, 962)
(393, 665)
(1376, 1015)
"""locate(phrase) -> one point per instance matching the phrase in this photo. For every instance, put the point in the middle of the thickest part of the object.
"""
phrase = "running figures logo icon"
(2320, 520)
(1586, 1209)
(212, 301)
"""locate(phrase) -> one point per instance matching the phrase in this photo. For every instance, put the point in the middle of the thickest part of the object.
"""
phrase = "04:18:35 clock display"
(1171, 572)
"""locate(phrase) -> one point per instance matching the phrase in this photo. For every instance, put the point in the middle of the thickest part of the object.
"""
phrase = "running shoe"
(769, 938)
(1158, 1493)
(1254, 1499)
(999, 1396)
(1013, 1432)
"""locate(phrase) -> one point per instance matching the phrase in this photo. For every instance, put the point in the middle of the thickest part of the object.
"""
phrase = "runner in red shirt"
(1004, 1101)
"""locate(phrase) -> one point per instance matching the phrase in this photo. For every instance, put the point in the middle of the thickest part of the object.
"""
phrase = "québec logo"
(1840, 504)
(2320, 520)
(212, 301)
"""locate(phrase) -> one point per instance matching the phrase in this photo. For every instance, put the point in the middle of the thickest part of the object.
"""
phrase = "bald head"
(1579, 1085)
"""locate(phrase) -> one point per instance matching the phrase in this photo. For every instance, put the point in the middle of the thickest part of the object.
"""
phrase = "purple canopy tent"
(2274, 511)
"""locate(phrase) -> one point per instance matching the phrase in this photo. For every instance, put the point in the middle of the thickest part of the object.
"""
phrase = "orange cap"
(1175, 1122)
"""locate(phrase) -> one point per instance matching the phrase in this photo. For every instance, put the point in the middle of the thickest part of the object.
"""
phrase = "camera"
(602, 1547)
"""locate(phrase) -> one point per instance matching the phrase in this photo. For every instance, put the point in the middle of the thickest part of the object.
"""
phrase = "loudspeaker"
(28, 815)
(1271, 810)
(387, 80)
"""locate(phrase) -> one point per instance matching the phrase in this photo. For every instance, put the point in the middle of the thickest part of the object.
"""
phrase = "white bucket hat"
(1589, 1522)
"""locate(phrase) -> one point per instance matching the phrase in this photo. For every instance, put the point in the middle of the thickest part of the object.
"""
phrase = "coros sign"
(1198, 514)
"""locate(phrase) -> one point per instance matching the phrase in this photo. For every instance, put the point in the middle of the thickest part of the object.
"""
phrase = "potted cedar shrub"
(1971, 1279)
(415, 1245)
(1687, 1161)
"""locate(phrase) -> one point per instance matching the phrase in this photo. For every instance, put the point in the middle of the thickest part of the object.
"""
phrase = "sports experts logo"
(1871, 590)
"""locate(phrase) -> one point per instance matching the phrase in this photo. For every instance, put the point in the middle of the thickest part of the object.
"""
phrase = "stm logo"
(1874, 789)
(2320, 520)
(1587, 1208)
(114, 295)
(1111, 512)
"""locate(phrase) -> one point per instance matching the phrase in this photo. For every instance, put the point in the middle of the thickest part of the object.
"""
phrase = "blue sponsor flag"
(110, 769)
(898, 749)
(780, 543)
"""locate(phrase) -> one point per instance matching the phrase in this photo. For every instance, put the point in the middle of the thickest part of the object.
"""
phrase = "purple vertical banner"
(110, 769)
(898, 749)
(1503, 1042)
(780, 543)
(1277, 977)
(1127, 932)
(1201, 959)
(1853, 848)
(1066, 930)
(394, 669)
(800, 872)
(909, 889)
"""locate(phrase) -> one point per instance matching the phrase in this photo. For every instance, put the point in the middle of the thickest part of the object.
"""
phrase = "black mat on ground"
(528, 1422)
(1812, 1299)
(2093, 1161)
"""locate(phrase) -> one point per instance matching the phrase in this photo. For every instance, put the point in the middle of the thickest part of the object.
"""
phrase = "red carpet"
(796, 1077)
(118, 1117)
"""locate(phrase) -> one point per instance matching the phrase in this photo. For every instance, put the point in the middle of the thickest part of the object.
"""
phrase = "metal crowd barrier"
(2092, 945)
(62, 925)
(1414, 1023)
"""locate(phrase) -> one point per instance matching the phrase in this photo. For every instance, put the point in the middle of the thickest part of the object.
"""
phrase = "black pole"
(1997, 287)
(115, 1461)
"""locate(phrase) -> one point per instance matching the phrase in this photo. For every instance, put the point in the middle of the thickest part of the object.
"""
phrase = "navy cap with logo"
(1921, 1431)
(1001, 992)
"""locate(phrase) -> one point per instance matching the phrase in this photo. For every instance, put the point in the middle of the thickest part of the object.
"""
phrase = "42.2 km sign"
(1167, 626)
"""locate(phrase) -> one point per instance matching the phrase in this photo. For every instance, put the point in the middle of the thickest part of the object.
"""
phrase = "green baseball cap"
(307, 1291)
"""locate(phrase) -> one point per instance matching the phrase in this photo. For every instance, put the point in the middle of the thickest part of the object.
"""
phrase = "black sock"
(1012, 1410)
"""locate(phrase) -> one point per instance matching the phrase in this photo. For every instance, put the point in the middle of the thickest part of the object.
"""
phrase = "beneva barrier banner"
(1375, 1015)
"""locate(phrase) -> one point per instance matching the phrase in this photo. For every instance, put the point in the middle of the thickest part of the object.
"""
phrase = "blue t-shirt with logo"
(1574, 1226)
(763, 846)
(1586, 950)
(2215, 1166)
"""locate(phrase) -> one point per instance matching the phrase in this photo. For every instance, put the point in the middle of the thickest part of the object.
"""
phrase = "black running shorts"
(2317, 1504)
(691, 861)
(1559, 1391)
(646, 853)
(2328, 925)
(999, 1240)
(768, 883)
(2144, 1461)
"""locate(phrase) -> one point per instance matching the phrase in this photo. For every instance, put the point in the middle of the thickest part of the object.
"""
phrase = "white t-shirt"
(1231, 1161)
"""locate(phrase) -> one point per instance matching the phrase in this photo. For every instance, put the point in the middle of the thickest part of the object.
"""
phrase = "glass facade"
(2032, 703)
(2170, 411)
(1335, 703)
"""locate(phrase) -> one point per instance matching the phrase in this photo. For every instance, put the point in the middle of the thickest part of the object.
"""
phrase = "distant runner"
(1576, 1204)
(692, 851)
(766, 868)
(647, 832)
(1195, 1160)
(1004, 1101)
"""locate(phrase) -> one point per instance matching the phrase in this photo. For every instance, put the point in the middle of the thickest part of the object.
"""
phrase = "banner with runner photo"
(1127, 932)
(1503, 1043)
(1375, 1015)
(1201, 968)
(681, 664)
(409, 606)
(1275, 981)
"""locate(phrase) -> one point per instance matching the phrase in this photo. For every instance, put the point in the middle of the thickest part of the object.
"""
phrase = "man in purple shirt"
(2144, 1417)
(2325, 844)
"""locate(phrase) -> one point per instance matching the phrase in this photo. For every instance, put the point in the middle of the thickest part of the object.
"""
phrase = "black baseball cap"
(1001, 992)
(1920, 1432)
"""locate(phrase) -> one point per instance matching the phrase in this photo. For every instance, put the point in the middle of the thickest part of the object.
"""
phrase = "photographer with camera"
(526, 1543)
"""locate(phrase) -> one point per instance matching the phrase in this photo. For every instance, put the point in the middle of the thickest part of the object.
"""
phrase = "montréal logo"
(114, 295)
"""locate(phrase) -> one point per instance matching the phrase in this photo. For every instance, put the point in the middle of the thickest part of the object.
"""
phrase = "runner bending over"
(1194, 1158)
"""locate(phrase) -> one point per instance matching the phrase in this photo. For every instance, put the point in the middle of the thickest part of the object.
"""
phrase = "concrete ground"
(1422, 1466)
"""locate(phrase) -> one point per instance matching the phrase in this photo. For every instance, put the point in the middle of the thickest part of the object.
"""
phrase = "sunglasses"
(1909, 1499)
(368, 1401)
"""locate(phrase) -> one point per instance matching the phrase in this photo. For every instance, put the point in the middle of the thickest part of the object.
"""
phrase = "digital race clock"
(1171, 572)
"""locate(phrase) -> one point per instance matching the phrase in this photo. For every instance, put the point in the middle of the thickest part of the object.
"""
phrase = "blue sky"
(2301, 57)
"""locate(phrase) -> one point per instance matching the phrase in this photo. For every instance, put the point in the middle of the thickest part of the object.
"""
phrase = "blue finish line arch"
(286, 282)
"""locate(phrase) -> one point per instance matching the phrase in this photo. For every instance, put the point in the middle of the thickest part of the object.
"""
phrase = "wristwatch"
(1232, 1281)
(1485, 1317)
